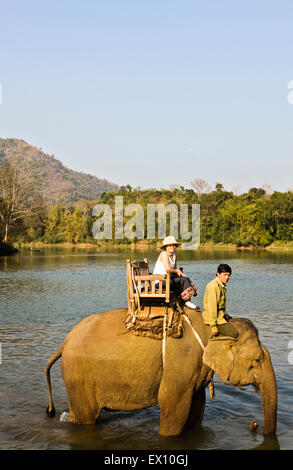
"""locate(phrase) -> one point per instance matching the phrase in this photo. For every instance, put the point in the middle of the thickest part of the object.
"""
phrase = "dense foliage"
(253, 219)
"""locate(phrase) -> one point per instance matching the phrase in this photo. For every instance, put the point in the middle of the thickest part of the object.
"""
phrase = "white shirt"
(160, 268)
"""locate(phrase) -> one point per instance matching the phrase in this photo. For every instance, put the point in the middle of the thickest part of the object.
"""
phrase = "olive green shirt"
(215, 303)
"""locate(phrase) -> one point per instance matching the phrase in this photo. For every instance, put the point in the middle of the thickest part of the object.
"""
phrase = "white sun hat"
(169, 241)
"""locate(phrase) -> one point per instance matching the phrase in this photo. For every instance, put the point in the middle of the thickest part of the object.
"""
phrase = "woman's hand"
(180, 273)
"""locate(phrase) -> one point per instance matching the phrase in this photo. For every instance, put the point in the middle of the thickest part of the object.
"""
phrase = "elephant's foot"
(82, 415)
(71, 418)
(169, 429)
(173, 418)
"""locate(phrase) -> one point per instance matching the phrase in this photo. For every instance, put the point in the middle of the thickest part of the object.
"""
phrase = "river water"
(43, 294)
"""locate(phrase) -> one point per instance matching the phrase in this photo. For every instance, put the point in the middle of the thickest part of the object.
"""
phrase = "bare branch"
(200, 186)
(17, 200)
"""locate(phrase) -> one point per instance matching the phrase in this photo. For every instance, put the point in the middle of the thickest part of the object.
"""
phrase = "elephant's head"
(246, 361)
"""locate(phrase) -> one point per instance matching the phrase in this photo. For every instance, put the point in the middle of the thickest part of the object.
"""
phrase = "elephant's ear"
(219, 357)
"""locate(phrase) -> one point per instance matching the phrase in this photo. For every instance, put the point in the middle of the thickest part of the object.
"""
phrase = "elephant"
(105, 366)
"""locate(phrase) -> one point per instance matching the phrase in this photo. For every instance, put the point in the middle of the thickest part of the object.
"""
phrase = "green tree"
(54, 225)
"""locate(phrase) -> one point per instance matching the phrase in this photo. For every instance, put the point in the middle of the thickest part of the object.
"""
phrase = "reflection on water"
(43, 294)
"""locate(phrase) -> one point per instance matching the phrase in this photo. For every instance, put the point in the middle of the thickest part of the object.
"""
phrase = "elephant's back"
(99, 324)
(104, 335)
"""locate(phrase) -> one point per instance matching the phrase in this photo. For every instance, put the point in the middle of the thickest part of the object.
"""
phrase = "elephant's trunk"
(268, 391)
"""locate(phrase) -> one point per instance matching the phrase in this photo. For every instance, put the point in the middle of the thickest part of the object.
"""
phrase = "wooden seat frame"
(142, 285)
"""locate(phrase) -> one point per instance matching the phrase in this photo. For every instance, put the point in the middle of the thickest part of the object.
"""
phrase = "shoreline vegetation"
(145, 245)
(254, 220)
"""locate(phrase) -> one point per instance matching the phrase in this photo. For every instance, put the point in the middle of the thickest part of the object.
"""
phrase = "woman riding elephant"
(180, 284)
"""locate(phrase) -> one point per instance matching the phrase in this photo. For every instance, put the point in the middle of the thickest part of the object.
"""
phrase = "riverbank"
(7, 249)
(147, 245)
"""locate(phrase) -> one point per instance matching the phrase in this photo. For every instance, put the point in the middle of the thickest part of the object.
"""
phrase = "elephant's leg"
(80, 415)
(197, 408)
(83, 408)
(175, 406)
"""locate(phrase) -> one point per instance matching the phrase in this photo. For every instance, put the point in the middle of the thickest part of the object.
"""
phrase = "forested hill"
(55, 182)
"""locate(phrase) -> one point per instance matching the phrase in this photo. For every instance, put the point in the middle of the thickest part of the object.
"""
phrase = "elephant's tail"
(54, 358)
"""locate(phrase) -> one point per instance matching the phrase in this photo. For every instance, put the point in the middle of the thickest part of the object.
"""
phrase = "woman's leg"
(179, 284)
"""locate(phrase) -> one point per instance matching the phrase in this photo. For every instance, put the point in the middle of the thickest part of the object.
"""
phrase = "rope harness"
(198, 338)
(194, 331)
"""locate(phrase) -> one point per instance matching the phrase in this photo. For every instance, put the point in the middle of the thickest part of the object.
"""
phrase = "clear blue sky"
(153, 93)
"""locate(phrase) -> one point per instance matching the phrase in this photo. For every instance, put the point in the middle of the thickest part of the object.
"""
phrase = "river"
(44, 293)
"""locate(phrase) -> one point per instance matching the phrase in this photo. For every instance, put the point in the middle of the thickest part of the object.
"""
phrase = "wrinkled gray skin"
(104, 366)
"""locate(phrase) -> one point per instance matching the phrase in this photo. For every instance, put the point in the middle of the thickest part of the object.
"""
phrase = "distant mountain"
(55, 182)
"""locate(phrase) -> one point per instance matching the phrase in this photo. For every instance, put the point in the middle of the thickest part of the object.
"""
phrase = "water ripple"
(43, 295)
